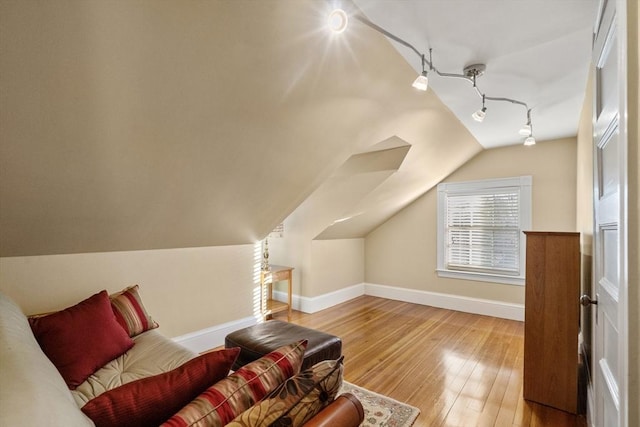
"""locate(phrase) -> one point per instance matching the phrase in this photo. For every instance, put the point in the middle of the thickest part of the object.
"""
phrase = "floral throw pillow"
(297, 399)
(221, 403)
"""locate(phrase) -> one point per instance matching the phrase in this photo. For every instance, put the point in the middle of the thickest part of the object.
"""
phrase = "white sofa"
(32, 392)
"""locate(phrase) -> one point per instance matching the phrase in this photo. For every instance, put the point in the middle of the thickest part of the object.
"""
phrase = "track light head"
(421, 82)
(530, 141)
(525, 130)
(338, 21)
(479, 115)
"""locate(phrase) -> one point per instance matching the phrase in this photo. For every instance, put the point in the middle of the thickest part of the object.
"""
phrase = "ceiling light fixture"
(470, 72)
(529, 141)
(478, 116)
(526, 128)
(422, 81)
(338, 21)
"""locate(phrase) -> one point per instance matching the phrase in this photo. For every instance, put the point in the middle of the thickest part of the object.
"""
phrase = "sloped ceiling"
(147, 125)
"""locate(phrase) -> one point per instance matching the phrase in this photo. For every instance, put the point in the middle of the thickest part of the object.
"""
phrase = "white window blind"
(480, 226)
(483, 232)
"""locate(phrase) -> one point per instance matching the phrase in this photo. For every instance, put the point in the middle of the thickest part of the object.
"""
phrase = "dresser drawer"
(280, 275)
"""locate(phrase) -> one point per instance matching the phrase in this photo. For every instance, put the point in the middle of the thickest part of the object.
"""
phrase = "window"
(480, 226)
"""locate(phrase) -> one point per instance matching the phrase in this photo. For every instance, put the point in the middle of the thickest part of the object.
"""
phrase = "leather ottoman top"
(258, 340)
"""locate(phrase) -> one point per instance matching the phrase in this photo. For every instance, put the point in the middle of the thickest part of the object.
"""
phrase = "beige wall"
(185, 290)
(321, 266)
(128, 127)
(336, 264)
(137, 125)
(584, 177)
(402, 252)
(584, 211)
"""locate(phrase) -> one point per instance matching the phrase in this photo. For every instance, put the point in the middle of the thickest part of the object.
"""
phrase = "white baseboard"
(485, 307)
(452, 302)
(208, 338)
(314, 304)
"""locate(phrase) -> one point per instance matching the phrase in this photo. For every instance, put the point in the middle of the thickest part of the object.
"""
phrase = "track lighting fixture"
(525, 130)
(338, 23)
(422, 81)
(478, 116)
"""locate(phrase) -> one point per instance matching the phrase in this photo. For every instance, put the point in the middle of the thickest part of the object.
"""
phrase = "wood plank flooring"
(460, 369)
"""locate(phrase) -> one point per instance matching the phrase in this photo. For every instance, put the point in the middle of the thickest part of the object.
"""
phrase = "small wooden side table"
(268, 305)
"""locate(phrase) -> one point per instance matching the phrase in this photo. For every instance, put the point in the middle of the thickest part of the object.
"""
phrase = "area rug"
(381, 411)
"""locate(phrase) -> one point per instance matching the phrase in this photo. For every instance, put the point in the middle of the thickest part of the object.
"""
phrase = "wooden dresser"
(551, 319)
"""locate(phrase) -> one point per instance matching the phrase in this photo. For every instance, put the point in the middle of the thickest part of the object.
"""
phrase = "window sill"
(481, 277)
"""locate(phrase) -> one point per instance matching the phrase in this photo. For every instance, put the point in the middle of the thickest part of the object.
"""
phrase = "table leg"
(289, 297)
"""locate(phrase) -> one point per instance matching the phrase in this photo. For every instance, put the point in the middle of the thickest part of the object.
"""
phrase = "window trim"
(524, 182)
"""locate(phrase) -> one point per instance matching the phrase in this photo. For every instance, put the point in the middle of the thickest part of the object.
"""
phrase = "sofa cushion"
(152, 400)
(152, 354)
(222, 402)
(296, 400)
(82, 338)
(130, 312)
(32, 391)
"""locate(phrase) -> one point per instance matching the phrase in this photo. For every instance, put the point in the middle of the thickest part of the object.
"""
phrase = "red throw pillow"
(81, 339)
(152, 400)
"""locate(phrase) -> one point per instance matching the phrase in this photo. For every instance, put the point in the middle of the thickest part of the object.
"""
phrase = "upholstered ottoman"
(258, 340)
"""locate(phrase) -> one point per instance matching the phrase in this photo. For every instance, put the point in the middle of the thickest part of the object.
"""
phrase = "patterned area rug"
(382, 411)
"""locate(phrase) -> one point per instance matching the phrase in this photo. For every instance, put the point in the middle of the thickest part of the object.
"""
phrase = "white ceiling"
(536, 51)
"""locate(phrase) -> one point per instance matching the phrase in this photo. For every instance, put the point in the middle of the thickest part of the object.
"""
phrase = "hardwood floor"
(460, 369)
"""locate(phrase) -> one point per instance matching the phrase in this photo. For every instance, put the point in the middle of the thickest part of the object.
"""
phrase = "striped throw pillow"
(296, 400)
(130, 312)
(225, 400)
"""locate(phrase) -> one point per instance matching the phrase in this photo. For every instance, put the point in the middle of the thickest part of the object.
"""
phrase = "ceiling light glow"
(338, 20)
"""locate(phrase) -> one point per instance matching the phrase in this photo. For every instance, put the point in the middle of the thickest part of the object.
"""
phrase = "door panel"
(608, 158)
(610, 261)
(607, 372)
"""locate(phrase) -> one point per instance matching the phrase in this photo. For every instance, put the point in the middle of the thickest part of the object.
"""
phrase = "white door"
(608, 395)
